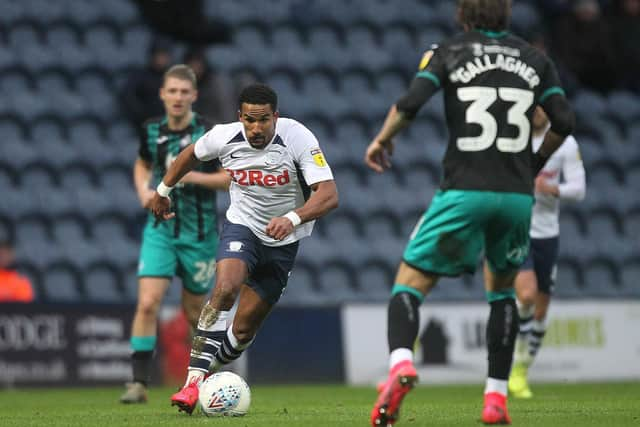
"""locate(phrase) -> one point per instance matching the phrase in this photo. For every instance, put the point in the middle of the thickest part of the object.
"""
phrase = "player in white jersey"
(536, 278)
(280, 184)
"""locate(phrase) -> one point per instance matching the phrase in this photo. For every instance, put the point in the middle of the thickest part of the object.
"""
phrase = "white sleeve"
(208, 145)
(574, 186)
(308, 155)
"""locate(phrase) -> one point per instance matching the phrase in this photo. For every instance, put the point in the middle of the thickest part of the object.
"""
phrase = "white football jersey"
(546, 210)
(268, 182)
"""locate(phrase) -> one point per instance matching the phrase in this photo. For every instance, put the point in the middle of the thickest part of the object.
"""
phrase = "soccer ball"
(224, 393)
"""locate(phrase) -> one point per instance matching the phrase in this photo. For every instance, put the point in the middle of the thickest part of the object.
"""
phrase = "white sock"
(525, 311)
(496, 386)
(194, 375)
(399, 355)
(219, 325)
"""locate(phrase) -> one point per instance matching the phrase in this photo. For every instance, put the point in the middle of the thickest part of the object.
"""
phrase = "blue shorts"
(269, 266)
(543, 259)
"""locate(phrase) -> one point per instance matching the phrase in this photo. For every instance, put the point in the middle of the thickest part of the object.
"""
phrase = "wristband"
(163, 190)
(294, 218)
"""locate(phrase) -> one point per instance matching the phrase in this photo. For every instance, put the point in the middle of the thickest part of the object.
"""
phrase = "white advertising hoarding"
(585, 341)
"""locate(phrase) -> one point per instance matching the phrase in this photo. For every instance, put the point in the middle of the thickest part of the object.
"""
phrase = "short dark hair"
(491, 15)
(260, 94)
(182, 72)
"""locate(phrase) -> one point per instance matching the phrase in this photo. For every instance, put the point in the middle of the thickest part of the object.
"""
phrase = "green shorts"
(459, 224)
(162, 255)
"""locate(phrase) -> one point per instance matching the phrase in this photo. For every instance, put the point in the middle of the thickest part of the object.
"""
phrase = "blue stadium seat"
(121, 12)
(629, 277)
(38, 174)
(341, 225)
(77, 175)
(601, 278)
(11, 130)
(624, 106)
(84, 12)
(136, 39)
(605, 222)
(130, 281)
(33, 227)
(524, 17)
(325, 42)
(14, 204)
(61, 283)
(46, 129)
(375, 280)
(285, 38)
(34, 274)
(569, 278)
(70, 227)
(45, 11)
(116, 177)
(632, 222)
(302, 287)
(381, 226)
(339, 280)
(102, 283)
(361, 37)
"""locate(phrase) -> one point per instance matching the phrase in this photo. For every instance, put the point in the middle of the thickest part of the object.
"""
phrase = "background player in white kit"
(280, 184)
(535, 280)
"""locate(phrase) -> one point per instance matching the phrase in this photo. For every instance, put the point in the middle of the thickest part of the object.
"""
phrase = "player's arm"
(555, 105)
(574, 187)
(219, 180)
(423, 86)
(141, 179)
(562, 123)
(142, 171)
(323, 199)
(161, 203)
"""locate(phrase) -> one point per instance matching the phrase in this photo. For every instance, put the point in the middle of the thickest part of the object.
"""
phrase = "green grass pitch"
(606, 404)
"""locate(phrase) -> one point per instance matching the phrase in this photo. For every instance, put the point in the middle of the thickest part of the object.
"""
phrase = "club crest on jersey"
(318, 157)
(257, 177)
(273, 157)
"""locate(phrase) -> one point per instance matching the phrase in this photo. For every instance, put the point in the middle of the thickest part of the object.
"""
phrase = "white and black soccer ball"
(224, 394)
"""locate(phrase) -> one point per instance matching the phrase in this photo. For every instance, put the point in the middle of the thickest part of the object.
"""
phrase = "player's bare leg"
(502, 328)
(215, 344)
(411, 285)
(151, 290)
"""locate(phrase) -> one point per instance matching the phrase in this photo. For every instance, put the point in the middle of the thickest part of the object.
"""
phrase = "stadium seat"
(61, 283)
(601, 278)
(70, 227)
(624, 106)
(630, 285)
(605, 222)
(339, 280)
(632, 222)
(9, 178)
(77, 175)
(102, 283)
(34, 274)
(38, 174)
(375, 280)
(569, 278)
(381, 226)
(302, 287)
(341, 225)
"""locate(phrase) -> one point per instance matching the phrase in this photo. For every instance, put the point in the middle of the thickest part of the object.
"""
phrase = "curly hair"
(491, 15)
(259, 94)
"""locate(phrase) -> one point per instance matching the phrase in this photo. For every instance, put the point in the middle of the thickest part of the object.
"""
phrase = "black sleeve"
(427, 81)
(560, 114)
(143, 150)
